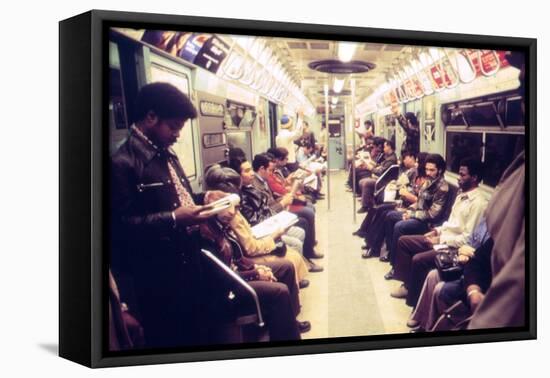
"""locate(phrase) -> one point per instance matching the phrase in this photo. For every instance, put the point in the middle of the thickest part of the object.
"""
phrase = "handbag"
(446, 262)
(454, 318)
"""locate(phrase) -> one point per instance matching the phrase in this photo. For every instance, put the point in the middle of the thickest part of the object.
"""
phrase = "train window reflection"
(242, 140)
(514, 114)
(117, 100)
(461, 145)
(483, 114)
(500, 151)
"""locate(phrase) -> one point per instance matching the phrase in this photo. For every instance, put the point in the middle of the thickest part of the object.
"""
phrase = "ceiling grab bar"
(435, 72)
(233, 62)
(450, 76)
(409, 87)
(400, 89)
(421, 74)
(259, 74)
(417, 85)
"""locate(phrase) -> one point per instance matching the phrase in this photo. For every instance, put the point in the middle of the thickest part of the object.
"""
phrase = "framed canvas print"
(234, 188)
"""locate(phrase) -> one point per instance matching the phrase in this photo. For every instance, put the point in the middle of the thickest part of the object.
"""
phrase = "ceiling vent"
(337, 67)
(319, 45)
(297, 45)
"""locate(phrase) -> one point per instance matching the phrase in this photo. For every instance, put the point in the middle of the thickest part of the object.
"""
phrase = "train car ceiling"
(257, 79)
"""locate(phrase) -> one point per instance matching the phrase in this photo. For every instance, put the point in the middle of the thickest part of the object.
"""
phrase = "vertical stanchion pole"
(352, 83)
(328, 145)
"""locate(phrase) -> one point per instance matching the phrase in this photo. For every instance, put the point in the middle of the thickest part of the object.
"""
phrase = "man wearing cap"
(286, 137)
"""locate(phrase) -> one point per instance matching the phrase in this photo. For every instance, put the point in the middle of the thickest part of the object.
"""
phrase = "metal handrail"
(388, 171)
(242, 283)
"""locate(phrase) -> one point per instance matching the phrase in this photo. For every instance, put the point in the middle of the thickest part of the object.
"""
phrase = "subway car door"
(118, 116)
(165, 70)
(272, 117)
(213, 140)
(239, 119)
(336, 145)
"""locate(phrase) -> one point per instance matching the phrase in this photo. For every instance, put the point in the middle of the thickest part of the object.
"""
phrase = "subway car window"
(461, 145)
(500, 151)
(117, 100)
(483, 115)
(240, 215)
(514, 113)
(184, 147)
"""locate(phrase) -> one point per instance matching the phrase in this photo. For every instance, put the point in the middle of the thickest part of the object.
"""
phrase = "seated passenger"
(366, 160)
(367, 184)
(372, 228)
(274, 282)
(226, 179)
(415, 253)
(255, 204)
(234, 153)
(299, 206)
(367, 131)
(282, 182)
(125, 332)
(418, 218)
(436, 295)
(263, 166)
(503, 304)
(312, 170)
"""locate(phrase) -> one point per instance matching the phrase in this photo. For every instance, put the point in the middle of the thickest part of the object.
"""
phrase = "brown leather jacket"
(431, 201)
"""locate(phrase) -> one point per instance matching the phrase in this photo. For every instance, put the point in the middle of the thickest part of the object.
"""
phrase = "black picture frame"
(84, 163)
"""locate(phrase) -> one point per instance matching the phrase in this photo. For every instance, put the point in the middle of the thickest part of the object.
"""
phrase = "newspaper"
(282, 220)
(222, 204)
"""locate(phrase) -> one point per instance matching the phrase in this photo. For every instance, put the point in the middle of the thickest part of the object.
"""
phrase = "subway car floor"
(350, 297)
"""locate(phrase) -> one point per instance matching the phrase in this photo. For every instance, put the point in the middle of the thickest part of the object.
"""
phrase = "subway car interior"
(311, 189)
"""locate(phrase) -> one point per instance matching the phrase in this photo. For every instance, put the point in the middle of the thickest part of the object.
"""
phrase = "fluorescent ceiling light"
(334, 100)
(346, 51)
(338, 85)
(435, 53)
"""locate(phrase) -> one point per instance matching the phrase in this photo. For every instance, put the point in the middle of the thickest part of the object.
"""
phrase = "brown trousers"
(413, 261)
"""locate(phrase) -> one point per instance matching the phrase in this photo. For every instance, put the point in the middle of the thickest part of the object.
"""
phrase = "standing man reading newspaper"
(154, 219)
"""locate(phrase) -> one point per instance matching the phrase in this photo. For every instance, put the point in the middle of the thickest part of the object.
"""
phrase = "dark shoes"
(304, 326)
(362, 210)
(385, 258)
(303, 284)
(316, 255)
(411, 323)
(417, 330)
(390, 275)
(313, 268)
(400, 293)
(369, 252)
